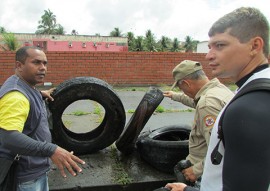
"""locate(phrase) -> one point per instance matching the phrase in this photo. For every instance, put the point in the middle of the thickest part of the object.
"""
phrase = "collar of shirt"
(240, 82)
(210, 84)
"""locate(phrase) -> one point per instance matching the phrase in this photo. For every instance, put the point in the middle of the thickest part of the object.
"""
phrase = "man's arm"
(25, 145)
(180, 97)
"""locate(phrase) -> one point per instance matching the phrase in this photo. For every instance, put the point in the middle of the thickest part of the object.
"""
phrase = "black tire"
(145, 109)
(164, 147)
(106, 133)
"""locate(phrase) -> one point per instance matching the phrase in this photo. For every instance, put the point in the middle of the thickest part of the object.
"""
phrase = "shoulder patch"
(209, 120)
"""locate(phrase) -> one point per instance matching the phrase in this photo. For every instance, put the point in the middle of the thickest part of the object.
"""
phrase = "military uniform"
(209, 101)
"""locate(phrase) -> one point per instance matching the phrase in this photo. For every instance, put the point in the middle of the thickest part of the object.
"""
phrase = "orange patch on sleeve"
(209, 120)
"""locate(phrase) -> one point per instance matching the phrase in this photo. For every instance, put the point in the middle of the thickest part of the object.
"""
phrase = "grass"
(162, 87)
(131, 88)
(179, 110)
(79, 113)
(143, 88)
(188, 110)
(97, 110)
(67, 124)
(120, 174)
(160, 109)
(131, 111)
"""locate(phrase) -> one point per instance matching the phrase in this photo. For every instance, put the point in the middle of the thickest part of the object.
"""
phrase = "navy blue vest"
(30, 167)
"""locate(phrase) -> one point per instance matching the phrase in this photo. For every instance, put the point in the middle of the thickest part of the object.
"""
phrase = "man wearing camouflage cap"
(208, 97)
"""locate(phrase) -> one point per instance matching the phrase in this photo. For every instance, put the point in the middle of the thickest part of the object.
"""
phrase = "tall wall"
(116, 68)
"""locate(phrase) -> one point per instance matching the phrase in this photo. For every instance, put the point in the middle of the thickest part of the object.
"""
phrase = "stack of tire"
(161, 148)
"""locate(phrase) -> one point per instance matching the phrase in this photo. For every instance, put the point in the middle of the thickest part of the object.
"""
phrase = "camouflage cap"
(183, 69)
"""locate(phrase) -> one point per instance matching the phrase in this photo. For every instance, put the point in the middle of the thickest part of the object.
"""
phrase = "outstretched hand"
(168, 94)
(64, 159)
(47, 94)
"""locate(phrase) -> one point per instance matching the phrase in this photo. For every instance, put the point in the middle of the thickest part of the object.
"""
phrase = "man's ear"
(256, 45)
(18, 65)
(186, 82)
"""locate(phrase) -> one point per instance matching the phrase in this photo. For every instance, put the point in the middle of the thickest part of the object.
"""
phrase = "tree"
(131, 41)
(175, 45)
(150, 43)
(10, 42)
(190, 44)
(138, 45)
(116, 33)
(2, 30)
(60, 30)
(164, 43)
(74, 32)
(48, 25)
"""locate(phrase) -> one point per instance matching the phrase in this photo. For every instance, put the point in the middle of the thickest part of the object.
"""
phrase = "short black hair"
(22, 54)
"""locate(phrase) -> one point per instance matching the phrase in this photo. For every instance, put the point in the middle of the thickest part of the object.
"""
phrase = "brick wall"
(116, 68)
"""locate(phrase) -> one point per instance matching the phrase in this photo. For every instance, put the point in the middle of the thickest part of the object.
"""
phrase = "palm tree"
(150, 43)
(74, 32)
(131, 40)
(59, 30)
(47, 24)
(116, 33)
(2, 30)
(164, 43)
(190, 44)
(175, 45)
(138, 45)
(10, 41)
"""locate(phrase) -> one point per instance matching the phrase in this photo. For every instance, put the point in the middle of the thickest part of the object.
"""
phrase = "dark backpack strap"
(255, 85)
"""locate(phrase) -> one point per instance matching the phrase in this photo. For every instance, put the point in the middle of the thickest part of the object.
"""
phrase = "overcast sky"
(171, 18)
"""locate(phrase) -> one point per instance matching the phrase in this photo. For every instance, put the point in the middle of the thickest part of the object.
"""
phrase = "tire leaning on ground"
(83, 88)
(162, 148)
(145, 109)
